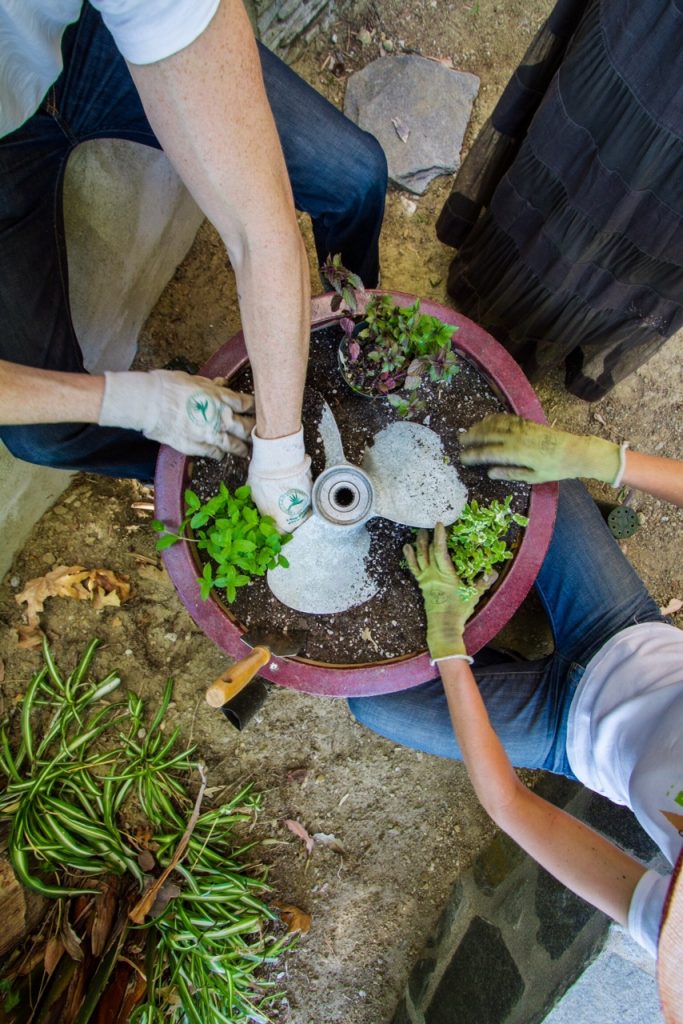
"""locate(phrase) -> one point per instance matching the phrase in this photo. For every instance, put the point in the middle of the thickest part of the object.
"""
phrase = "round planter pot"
(173, 475)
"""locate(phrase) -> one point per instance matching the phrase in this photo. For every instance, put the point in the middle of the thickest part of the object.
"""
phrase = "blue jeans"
(338, 175)
(590, 592)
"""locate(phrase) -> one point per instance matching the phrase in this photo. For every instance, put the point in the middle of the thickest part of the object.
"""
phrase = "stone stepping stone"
(418, 110)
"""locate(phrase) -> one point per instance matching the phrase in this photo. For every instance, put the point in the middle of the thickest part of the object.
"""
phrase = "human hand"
(194, 415)
(518, 449)
(280, 479)
(442, 590)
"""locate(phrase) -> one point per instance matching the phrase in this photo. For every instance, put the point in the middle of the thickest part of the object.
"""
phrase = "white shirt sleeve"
(146, 31)
(645, 911)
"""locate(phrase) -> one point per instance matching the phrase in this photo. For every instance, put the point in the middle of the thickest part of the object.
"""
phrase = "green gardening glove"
(447, 612)
(518, 449)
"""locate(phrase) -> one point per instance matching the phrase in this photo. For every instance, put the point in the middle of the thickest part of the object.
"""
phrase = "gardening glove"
(442, 589)
(194, 415)
(280, 479)
(518, 449)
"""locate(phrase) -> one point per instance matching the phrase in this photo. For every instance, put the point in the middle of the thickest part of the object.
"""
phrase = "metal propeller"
(404, 477)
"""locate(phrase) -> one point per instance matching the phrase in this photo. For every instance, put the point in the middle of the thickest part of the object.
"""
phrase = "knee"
(372, 174)
(55, 445)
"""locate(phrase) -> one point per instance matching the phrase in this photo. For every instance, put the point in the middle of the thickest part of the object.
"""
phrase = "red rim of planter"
(173, 474)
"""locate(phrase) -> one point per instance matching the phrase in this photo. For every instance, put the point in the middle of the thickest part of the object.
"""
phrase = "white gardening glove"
(280, 479)
(194, 415)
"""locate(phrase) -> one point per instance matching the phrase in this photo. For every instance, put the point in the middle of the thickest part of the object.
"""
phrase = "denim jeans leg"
(338, 172)
(34, 302)
(589, 589)
(590, 592)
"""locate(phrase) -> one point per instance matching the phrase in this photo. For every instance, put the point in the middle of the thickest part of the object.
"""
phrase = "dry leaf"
(101, 586)
(295, 919)
(53, 954)
(168, 892)
(153, 573)
(401, 129)
(674, 605)
(326, 839)
(297, 775)
(600, 419)
(446, 61)
(146, 861)
(301, 832)
(105, 909)
(72, 943)
(29, 637)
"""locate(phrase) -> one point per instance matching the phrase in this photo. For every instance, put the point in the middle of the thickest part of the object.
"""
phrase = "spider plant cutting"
(97, 801)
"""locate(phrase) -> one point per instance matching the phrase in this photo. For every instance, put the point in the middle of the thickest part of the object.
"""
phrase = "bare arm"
(580, 858)
(658, 476)
(29, 395)
(208, 107)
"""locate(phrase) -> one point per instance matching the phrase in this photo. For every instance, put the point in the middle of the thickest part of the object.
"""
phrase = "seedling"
(393, 348)
(240, 542)
(476, 540)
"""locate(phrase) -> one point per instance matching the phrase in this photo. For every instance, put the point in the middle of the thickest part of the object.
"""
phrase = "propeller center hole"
(344, 497)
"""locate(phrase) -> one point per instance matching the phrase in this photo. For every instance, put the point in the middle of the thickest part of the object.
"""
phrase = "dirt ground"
(409, 824)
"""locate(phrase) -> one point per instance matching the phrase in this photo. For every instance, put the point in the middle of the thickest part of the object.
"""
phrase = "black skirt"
(568, 211)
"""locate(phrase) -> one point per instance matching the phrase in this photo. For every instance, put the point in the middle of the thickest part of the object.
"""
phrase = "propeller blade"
(413, 483)
(326, 571)
(331, 438)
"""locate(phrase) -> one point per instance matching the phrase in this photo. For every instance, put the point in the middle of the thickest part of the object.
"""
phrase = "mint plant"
(240, 542)
(476, 540)
(391, 350)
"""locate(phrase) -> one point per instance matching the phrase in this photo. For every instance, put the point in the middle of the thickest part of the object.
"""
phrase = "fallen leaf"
(105, 909)
(369, 638)
(674, 605)
(401, 129)
(72, 943)
(53, 953)
(302, 833)
(29, 637)
(446, 61)
(601, 419)
(168, 892)
(295, 919)
(101, 586)
(146, 861)
(297, 775)
(153, 573)
(326, 839)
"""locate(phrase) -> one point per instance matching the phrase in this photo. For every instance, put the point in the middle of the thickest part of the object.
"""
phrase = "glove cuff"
(129, 398)
(279, 457)
(600, 460)
(622, 464)
(452, 657)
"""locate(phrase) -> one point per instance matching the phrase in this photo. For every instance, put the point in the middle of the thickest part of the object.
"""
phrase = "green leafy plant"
(393, 348)
(348, 286)
(477, 542)
(240, 542)
(97, 803)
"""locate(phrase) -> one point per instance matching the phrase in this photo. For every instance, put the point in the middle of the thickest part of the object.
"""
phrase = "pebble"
(364, 37)
(15, 582)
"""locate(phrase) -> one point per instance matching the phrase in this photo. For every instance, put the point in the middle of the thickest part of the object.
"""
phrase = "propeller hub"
(343, 495)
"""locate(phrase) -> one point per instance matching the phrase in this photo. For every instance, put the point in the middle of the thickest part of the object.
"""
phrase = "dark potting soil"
(392, 623)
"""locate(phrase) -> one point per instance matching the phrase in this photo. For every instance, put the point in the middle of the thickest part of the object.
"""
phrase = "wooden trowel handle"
(234, 679)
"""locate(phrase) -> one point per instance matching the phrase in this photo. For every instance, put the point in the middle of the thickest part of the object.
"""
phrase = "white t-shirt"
(31, 33)
(625, 740)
